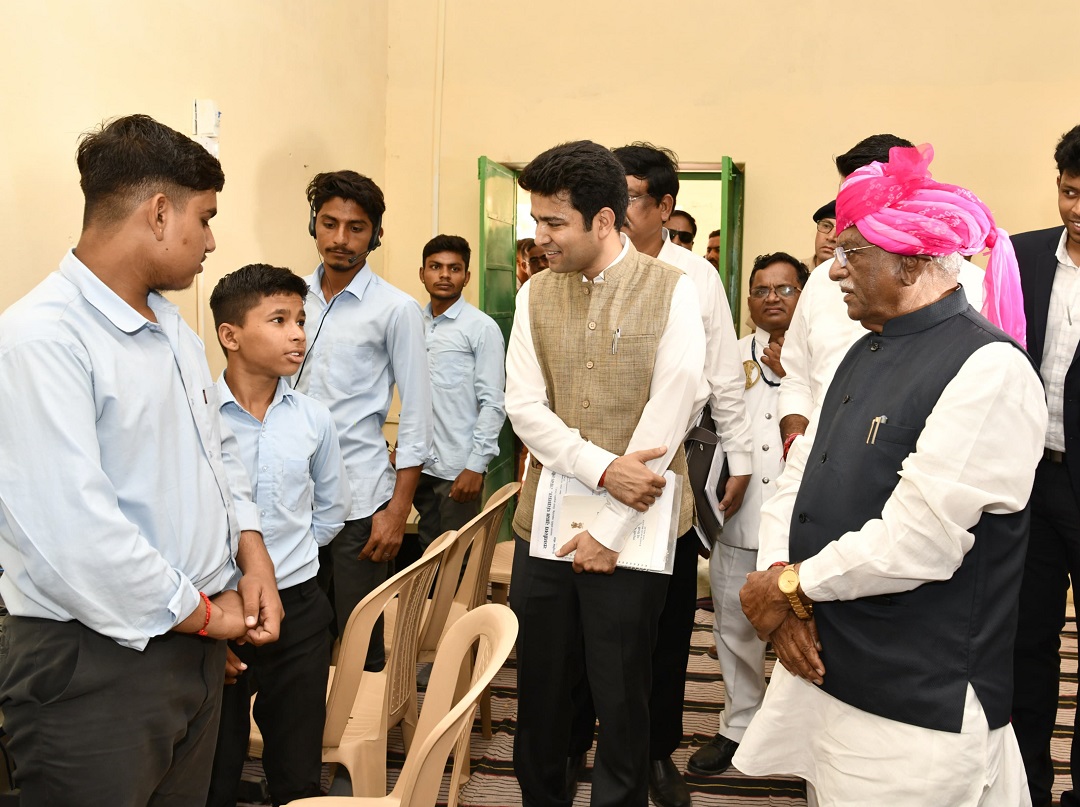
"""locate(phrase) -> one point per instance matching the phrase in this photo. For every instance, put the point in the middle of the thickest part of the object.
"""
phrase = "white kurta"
(977, 453)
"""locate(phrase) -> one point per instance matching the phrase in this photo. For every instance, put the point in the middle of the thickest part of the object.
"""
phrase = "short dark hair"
(587, 171)
(802, 274)
(1067, 153)
(658, 167)
(240, 291)
(689, 218)
(523, 246)
(448, 243)
(873, 149)
(715, 234)
(126, 161)
(350, 186)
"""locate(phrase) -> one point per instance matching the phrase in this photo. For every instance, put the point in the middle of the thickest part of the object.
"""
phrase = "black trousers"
(669, 660)
(1053, 557)
(290, 678)
(604, 625)
(96, 724)
(352, 580)
(438, 512)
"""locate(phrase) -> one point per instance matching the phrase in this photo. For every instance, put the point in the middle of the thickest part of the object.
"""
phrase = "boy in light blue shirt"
(289, 446)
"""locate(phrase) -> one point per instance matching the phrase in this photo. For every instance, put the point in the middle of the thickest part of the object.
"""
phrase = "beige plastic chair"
(444, 718)
(361, 707)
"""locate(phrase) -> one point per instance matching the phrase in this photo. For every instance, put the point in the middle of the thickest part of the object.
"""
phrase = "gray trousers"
(438, 512)
(95, 724)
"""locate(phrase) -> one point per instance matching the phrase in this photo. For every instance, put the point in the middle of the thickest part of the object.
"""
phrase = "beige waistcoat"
(598, 390)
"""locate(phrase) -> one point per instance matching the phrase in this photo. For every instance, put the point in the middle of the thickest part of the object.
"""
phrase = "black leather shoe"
(714, 757)
(575, 769)
(666, 784)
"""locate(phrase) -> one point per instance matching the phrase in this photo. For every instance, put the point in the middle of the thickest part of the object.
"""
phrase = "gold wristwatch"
(789, 587)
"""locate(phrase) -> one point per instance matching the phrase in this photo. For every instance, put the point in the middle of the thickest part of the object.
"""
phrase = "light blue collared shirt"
(297, 476)
(466, 357)
(369, 338)
(119, 497)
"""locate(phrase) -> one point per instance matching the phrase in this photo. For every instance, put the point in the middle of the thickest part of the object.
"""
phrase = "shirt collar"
(450, 313)
(107, 301)
(760, 334)
(357, 286)
(283, 392)
(1062, 254)
(627, 248)
(925, 318)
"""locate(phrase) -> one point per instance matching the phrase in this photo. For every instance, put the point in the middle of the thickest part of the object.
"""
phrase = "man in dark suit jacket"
(1050, 277)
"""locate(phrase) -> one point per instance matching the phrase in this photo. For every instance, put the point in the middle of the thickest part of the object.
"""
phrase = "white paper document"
(564, 507)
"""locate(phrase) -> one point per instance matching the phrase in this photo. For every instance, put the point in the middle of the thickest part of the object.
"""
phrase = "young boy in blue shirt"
(290, 449)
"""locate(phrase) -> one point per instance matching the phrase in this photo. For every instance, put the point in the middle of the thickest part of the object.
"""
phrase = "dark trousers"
(438, 512)
(604, 625)
(1053, 557)
(354, 579)
(96, 724)
(669, 660)
(290, 678)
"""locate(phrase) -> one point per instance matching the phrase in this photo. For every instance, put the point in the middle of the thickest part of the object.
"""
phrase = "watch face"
(789, 581)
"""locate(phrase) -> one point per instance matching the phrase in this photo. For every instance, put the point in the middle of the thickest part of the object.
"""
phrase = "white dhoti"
(853, 758)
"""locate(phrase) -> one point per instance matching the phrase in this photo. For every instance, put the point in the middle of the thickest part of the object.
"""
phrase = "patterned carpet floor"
(493, 783)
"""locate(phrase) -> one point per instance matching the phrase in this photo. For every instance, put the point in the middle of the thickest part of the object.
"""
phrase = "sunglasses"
(682, 235)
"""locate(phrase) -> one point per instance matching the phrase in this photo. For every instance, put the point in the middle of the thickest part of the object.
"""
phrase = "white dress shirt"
(367, 339)
(741, 530)
(120, 494)
(723, 381)
(298, 478)
(466, 358)
(821, 332)
(680, 358)
(1062, 338)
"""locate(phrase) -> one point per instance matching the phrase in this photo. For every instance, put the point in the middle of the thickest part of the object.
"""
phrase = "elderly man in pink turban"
(891, 555)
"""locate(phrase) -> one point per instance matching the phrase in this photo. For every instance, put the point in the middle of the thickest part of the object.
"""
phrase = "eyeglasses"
(826, 226)
(635, 198)
(682, 235)
(841, 254)
(761, 292)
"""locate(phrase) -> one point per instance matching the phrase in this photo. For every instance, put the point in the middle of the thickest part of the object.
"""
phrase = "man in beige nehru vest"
(604, 363)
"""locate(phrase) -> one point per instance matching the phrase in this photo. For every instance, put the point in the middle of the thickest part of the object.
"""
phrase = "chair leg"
(485, 713)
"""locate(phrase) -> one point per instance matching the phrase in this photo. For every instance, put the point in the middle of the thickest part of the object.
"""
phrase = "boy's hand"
(233, 666)
(467, 486)
(387, 532)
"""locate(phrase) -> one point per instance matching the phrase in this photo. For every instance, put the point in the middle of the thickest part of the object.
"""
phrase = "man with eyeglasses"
(653, 184)
(682, 229)
(892, 553)
(775, 284)
(825, 239)
(537, 260)
(821, 331)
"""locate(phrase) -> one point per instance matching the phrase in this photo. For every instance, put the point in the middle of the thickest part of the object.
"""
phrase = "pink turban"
(898, 207)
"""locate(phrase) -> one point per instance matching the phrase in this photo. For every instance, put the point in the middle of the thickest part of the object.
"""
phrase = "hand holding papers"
(565, 507)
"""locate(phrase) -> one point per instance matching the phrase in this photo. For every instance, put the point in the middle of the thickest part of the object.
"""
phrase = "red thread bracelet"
(778, 563)
(207, 622)
(600, 484)
(787, 443)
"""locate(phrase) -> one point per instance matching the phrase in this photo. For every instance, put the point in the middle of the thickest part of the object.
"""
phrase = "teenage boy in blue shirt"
(290, 448)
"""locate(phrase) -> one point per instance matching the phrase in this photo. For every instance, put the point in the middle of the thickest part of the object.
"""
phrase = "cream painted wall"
(782, 86)
(310, 86)
(301, 87)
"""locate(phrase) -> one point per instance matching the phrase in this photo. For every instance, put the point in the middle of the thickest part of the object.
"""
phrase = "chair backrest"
(493, 630)
(473, 589)
(411, 585)
(477, 537)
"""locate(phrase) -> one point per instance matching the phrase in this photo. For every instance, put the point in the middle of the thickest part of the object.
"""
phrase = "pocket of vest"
(898, 435)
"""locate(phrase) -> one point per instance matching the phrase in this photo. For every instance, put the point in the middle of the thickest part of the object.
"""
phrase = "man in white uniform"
(906, 522)
(775, 284)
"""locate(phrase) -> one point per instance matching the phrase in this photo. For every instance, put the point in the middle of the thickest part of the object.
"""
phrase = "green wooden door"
(496, 269)
(731, 235)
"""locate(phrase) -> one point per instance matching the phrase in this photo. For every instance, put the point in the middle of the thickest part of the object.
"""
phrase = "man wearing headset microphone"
(364, 336)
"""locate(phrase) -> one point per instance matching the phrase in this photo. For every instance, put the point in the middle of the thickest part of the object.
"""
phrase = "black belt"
(1056, 457)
